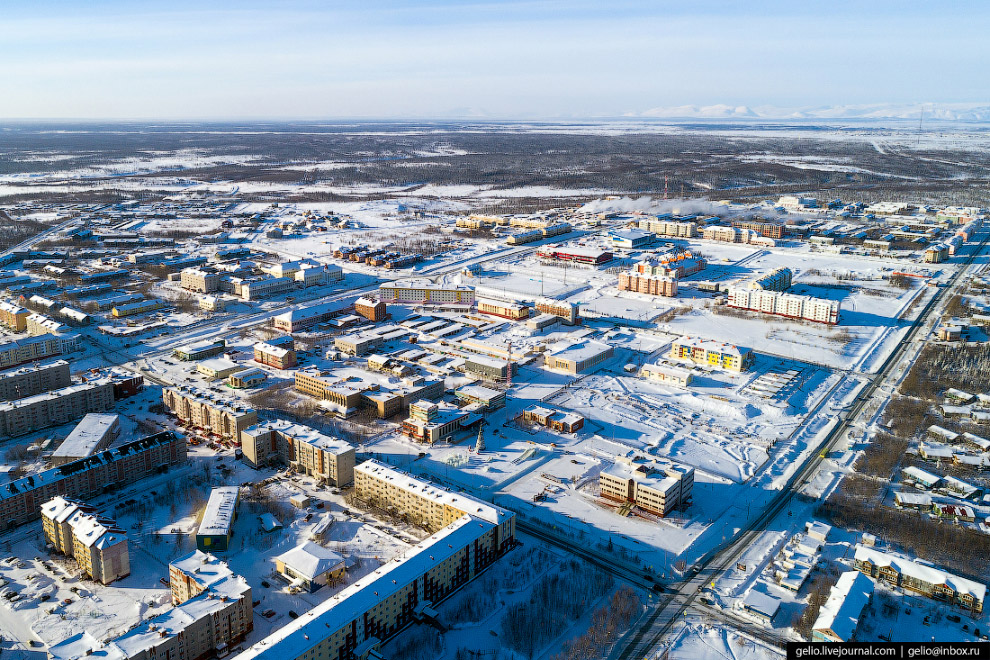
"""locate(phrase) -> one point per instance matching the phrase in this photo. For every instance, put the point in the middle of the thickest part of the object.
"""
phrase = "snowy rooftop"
(845, 604)
(301, 635)
(219, 511)
(462, 501)
(301, 433)
(217, 364)
(580, 351)
(277, 351)
(54, 395)
(921, 572)
(202, 567)
(310, 560)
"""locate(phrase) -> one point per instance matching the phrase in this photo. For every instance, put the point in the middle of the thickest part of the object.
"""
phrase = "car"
(268, 613)
(67, 601)
(265, 584)
(35, 644)
(954, 618)
(44, 597)
(293, 615)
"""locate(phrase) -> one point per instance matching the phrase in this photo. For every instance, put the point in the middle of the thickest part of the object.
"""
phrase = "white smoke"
(697, 206)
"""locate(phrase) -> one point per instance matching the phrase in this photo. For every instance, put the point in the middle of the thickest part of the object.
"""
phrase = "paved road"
(639, 643)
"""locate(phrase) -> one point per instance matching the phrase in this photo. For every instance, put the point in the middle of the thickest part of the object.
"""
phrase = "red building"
(371, 309)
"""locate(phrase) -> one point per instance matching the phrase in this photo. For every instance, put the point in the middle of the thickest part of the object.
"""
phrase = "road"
(710, 567)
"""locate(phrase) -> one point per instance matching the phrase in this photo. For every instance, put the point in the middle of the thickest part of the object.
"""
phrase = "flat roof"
(87, 434)
(219, 512)
(301, 433)
(202, 567)
(463, 501)
(311, 628)
(921, 572)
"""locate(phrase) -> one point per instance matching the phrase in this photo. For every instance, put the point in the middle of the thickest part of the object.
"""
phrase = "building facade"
(320, 456)
(21, 500)
(59, 406)
(712, 353)
(201, 409)
(97, 544)
(34, 379)
(656, 485)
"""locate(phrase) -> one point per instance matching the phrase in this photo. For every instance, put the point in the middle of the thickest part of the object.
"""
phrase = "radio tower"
(665, 186)
(508, 369)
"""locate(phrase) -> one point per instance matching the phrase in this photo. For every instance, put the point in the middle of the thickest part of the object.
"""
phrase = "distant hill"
(933, 111)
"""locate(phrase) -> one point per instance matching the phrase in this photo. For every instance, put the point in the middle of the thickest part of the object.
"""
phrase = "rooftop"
(219, 512)
(461, 501)
(86, 435)
(311, 560)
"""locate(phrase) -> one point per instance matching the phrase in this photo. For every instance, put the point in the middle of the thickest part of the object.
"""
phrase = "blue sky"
(343, 59)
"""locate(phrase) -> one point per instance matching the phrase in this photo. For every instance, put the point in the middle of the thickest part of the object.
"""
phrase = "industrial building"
(712, 353)
(306, 450)
(33, 379)
(217, 416)
(557, 254)
(656, 485)
(216, 527)
(96, 543)
(20, 500)
(631, 239)
(59, 406)
(94, 433)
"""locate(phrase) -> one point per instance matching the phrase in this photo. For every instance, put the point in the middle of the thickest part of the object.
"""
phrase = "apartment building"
(936, 254)
(307, 317)
(200, 350)
(673, 264)
(787, 305)
(488, 369)
(411, 293)
(371, 309)
(655, 286)
(33, 379)
(355, 622)
(201, 409)
(96, 543)
(200, 280)
(669, 227)
(580, 357)
(565, 310)
(656, 485)
(712, 353)
(393, 399)
(94, 433)
(280, 357)
(667, 374)
(306, 450)
(723, 234)
(765, 229)
(59, 406)
(21, 500)
(426, 504)
(779, 279)
(217, 525)
(204, 626)
(193, 574)
(920, 578)
(39, 324)
(13, 316)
